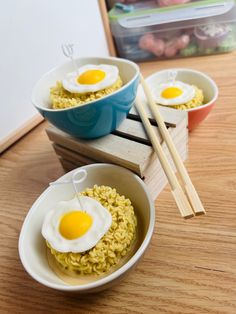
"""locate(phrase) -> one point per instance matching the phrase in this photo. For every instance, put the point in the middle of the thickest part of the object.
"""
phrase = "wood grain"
(69, 151)
(105, 20)
(122, 145)
(190, 266)
(168, 114)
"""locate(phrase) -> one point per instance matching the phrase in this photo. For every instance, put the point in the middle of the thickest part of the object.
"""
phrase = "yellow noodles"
(61, 98)
(114, 245)
(195, 102)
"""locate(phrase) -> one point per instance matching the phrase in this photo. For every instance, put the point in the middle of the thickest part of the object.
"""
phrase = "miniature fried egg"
(173, 93)
(70, 228)
(91, 78)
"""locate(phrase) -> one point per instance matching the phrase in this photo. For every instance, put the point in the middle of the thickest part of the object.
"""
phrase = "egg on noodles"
(89, 83)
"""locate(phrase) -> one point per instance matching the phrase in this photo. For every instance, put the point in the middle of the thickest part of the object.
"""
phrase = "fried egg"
(173, 93)
(91, 78)
(70, 228)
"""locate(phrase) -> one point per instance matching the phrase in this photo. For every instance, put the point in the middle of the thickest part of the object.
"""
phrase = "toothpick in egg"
(68, 51)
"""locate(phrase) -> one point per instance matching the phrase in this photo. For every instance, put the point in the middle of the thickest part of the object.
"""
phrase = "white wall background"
(31, 34)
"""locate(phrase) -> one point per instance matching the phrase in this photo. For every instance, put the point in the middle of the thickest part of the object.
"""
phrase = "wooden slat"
(116, 149)
(134, 131)
(172, 117)
(180, 139)
(110, 148)
(156, 186)
(154, 175)
(73, 156)
(175, 133)
(152, 172)
(155, 170)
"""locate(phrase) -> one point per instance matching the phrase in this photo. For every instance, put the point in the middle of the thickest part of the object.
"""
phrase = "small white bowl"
(32, 247)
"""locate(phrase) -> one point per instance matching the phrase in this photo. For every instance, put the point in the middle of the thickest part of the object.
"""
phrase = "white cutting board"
(31, 33)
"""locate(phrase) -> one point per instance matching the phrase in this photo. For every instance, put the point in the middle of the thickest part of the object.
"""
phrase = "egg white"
(102, 221)
(71, 84)
(187, 95)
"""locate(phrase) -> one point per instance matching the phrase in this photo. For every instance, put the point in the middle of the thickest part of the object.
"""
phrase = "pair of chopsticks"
(189, 204)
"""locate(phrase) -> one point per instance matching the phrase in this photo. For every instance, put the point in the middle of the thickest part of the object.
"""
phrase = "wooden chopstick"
(177, 192)
(188, 185)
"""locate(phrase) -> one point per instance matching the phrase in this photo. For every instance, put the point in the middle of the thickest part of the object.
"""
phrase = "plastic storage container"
(191, 29)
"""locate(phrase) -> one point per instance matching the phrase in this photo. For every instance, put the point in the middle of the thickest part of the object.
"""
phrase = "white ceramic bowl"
(32, 245)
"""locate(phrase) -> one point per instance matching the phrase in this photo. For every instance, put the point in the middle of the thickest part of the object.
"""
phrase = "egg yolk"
(171, 92)
(91, 77)
(75, 224)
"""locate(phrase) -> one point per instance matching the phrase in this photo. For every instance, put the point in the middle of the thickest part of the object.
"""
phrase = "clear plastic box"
(195, 28)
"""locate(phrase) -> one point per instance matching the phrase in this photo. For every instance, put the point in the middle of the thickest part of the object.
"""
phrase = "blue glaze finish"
(98, 118)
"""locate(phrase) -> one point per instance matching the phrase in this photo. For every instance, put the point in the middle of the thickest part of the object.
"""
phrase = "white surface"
(31, 33)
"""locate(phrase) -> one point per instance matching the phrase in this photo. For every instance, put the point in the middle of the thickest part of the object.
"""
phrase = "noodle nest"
(193, 103)
(61, 98)
(114, 245)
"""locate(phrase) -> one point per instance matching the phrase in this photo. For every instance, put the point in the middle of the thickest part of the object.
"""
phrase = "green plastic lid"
(182, 12)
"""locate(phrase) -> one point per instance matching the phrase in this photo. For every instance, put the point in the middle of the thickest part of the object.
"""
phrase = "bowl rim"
(106, 279)
(207, 77)
(133, 64)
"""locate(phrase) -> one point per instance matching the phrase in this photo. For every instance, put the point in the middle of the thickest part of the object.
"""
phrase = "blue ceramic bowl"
(96, 118)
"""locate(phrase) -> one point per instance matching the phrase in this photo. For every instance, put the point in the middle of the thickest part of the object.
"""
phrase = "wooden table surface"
(190, 265)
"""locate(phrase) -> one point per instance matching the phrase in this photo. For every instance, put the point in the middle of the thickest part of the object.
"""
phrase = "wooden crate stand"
(128, 146)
